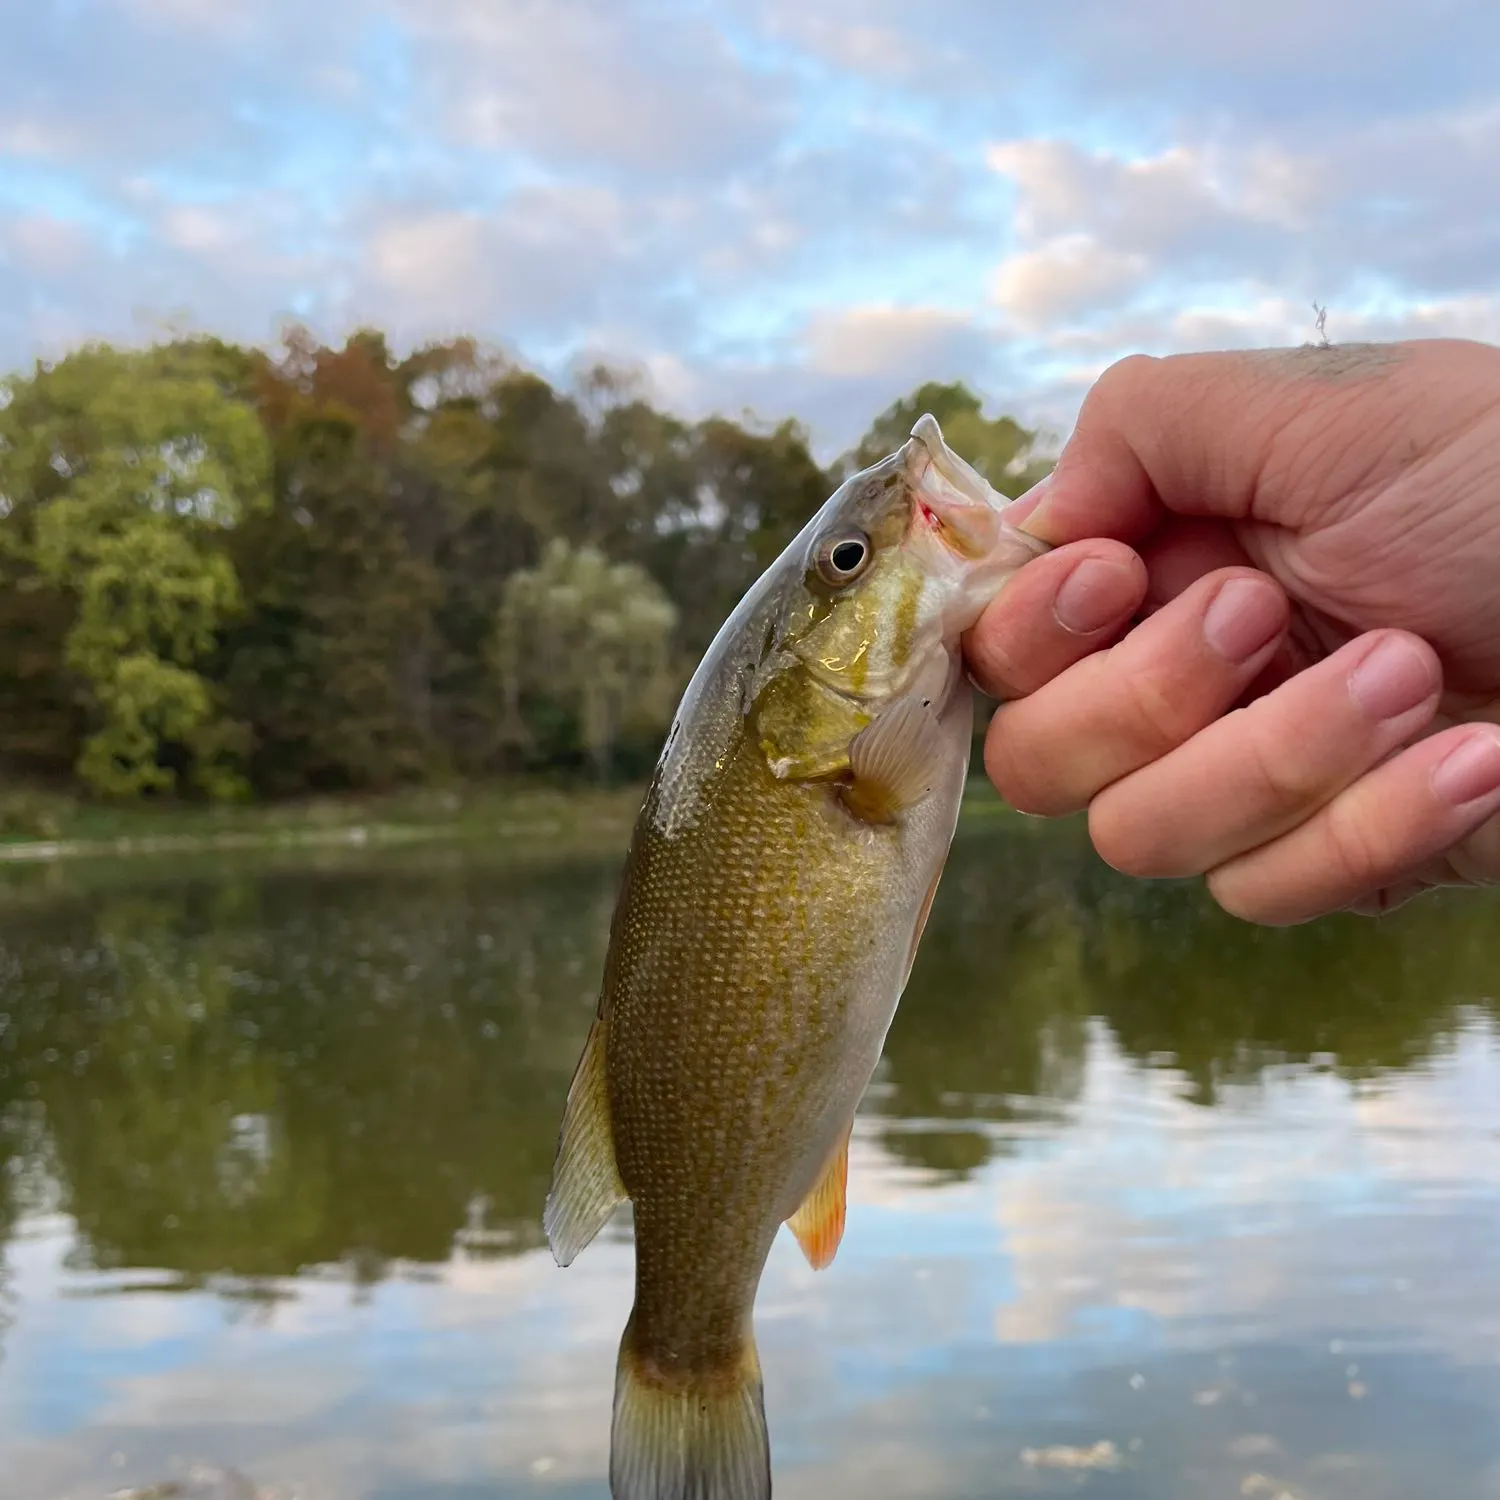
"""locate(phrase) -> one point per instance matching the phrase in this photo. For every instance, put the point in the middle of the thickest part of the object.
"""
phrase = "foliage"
(121, 474)
(1000, 448)
(327, 569)
(592, 638)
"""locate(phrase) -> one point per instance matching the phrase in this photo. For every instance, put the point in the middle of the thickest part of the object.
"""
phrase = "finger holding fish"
(1052, 613)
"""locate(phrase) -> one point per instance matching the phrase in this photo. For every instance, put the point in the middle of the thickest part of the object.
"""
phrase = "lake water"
(1143, 1202)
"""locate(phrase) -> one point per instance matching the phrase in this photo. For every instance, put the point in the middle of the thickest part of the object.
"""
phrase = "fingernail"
(1470, 771)
(1022, 513)
(1394, 678)
(1095, 594)
(1246, 614)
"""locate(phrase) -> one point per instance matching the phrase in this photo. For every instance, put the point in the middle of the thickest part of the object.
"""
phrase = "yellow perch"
(778, 880)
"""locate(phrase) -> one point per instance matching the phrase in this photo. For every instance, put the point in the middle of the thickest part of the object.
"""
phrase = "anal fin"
(586, 1186)
(893, 760)
(819, 1222)
(921, 927)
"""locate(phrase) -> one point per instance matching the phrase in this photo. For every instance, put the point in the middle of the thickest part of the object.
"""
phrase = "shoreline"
(502, 813)
(565, 818)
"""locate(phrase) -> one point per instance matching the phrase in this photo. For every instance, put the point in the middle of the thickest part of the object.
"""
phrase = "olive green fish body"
(764, 936)
(777, 883)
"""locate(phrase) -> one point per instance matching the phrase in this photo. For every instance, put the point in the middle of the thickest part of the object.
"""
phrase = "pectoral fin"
(586, 1186)
(819, 1223)
(893, 761)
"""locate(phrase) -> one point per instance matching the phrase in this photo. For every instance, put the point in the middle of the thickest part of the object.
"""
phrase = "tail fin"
(689, 1441)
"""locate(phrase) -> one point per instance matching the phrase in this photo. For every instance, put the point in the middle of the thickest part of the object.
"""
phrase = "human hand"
(1308, 711)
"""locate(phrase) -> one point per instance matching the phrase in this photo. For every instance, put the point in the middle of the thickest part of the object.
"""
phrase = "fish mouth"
(954, 503)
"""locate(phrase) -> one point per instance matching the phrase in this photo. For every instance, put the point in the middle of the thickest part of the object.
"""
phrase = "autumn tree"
(330, 665)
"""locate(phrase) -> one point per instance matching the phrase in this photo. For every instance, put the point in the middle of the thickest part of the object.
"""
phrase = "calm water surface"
(1143, 1202)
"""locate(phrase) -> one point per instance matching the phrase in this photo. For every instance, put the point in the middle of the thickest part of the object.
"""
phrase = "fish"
(777, 882)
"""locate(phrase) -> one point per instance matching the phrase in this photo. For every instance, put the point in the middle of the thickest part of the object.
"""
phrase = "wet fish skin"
(780, 872)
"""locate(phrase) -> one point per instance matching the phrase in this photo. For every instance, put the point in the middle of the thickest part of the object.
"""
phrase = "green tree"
(582, 654)
(505, 463)
(43, 721)
(999, 447)
(124, 472)
(215, 560)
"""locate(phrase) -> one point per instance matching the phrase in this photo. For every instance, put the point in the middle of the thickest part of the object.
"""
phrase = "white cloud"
(888, 340)
(545, 261)
(1095, 226)
(43, 243)
(654, 89)
(1227, 240)
(433, 262)
(1072, 274)
(197, 229)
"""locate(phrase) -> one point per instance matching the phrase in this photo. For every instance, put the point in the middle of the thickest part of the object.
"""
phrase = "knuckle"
(1160, 717)
(1004, 767)
(1114, 392)
(1353, 850)
(1121, 380)
(1278, 772)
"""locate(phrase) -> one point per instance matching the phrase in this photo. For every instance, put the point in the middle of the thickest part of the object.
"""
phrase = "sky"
(783, 207)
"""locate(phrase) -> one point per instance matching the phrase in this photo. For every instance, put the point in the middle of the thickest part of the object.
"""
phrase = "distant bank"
(37, 827)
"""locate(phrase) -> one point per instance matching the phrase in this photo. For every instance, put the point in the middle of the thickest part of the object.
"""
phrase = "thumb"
(1264, 435)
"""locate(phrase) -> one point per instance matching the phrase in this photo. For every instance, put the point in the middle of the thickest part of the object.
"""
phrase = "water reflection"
(1138, 1188)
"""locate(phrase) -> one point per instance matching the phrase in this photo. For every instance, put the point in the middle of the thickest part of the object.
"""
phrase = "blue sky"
(792, 206)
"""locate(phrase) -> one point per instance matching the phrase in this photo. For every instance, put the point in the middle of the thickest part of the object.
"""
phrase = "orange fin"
(819, 1223)
(586, 1186)
(893, 761)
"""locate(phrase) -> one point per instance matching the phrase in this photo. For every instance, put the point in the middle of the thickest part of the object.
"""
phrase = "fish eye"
(841, 559)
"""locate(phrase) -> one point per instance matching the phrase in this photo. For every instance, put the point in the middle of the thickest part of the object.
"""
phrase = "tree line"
(229, 573)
